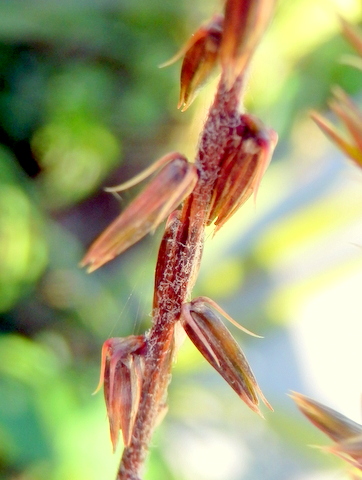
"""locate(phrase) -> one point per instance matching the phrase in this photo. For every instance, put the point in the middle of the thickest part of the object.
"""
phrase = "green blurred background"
(83, 105)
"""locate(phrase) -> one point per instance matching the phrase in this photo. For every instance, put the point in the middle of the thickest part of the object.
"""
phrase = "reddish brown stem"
(176, 270)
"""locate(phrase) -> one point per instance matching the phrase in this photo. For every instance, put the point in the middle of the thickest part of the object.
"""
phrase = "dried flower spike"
(233, 153)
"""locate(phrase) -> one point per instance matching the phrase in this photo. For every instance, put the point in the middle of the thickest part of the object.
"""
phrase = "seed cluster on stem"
(233, 153)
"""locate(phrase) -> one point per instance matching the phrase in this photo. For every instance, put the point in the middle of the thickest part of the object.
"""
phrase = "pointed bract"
(121, 376)
(344, 108)
(162, 195)
(217, 345)
(244, 24)
(350, 450)
(352, 34)
(200, 54)
(336, 137)
(346, 433)
(242, 168)
(351, 116)
(202, 302)
(329, 421)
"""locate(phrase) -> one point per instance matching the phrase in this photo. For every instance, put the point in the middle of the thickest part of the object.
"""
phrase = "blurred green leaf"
(22, 242)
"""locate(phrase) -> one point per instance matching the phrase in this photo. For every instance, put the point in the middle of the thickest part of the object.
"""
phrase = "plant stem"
(177, 267)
